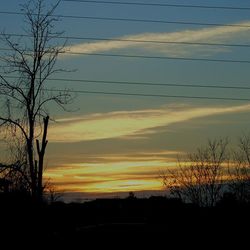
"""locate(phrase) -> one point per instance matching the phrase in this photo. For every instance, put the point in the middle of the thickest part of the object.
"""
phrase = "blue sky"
(116, 118)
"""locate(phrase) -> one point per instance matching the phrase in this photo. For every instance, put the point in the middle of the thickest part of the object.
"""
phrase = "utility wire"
(135, 40)
(160, 5)
(138, 83)
(151, 95)
(148, 57)
(134, 20)
(161, 57)
(148, 95)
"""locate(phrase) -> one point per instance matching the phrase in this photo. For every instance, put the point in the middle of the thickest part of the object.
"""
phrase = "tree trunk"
(41, 153)
(31, 166)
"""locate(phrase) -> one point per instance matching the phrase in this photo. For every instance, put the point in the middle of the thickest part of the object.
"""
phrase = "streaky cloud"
(207, 35)
(130, 123)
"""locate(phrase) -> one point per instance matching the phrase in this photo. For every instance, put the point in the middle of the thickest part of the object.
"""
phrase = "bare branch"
(16, 123)
(26, 99)
(199, 180)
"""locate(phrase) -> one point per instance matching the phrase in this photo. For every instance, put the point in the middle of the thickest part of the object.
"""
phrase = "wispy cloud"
(109, 176)
(214, 34)
(130, 123)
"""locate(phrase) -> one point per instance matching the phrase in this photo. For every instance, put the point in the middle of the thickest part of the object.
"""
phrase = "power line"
(160, 5)
(148, 95)
(134, 20)
(150, 57)
(151, 95)
(161, 57)
(136, 40)
(139, 83)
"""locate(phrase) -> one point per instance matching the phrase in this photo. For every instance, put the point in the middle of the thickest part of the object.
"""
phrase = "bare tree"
(239, 172)
(25, 97)
(200, 180)
(51, 192)
(15, 169)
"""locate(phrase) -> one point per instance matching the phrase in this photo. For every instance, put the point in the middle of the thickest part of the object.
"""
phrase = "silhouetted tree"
(131, 195)
(200, 180)
(24, 97)
(17, 177)
(51, 192)
(15, 169)
(239, 172)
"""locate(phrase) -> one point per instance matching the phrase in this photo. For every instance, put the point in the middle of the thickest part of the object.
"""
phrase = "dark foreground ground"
(152, 222)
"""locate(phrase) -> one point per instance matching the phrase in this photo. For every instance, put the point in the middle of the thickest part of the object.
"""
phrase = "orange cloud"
(109, 176)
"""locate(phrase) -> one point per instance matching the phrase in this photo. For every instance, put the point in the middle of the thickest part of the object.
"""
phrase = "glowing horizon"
(116, 143)
(110, 177)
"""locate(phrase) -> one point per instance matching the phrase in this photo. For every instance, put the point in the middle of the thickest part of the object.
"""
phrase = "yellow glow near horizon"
(112, 177)
(109, 177)
(117, 173)
(113, 186)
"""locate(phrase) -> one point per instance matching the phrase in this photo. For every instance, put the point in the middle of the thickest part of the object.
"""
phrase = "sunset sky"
(110, 143)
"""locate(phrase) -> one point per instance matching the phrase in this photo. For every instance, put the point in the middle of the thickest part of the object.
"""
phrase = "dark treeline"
(208, 201)
(141, 220)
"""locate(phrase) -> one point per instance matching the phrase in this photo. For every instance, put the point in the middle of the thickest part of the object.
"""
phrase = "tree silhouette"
(200, 181)
(24, 97)
(15, 168)
(240, 171)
